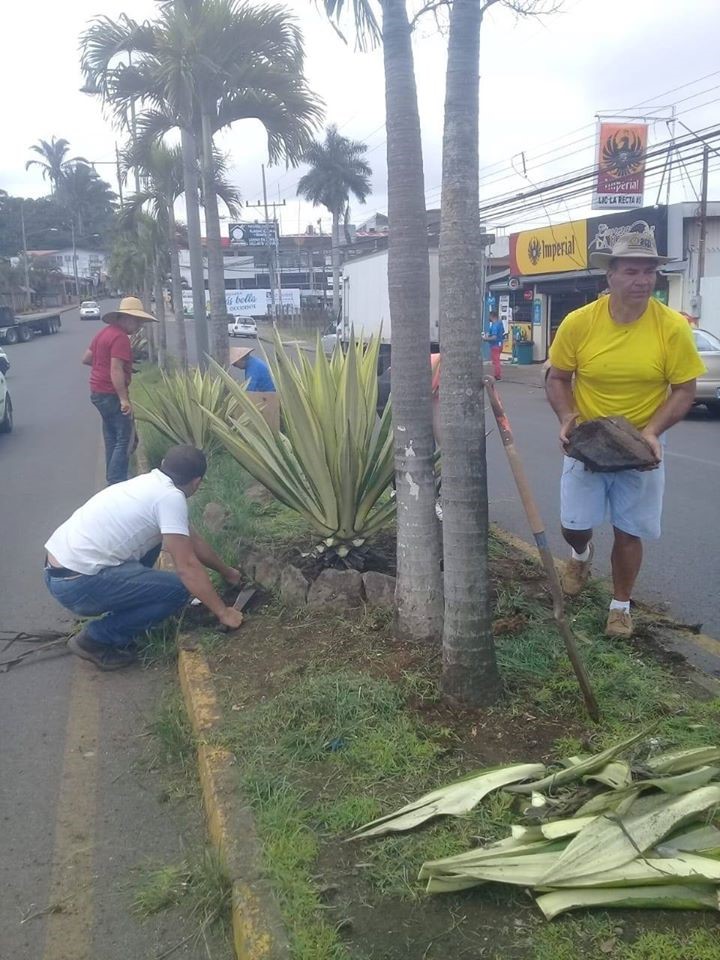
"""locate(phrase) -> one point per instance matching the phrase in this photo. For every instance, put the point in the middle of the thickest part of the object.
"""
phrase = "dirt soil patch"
(336, 721)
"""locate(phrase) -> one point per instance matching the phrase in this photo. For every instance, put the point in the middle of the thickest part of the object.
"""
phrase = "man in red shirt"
(110, 358)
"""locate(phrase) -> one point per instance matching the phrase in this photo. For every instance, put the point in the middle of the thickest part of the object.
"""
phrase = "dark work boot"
(103, 656)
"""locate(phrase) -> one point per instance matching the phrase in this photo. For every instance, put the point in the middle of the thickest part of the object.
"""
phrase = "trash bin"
(524, 352)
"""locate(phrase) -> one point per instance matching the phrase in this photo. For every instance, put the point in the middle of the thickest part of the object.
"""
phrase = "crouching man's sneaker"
(619, 624)
(576, 574)
(104, 657)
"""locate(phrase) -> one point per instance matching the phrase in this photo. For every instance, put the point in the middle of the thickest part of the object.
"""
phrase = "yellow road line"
(70, 898)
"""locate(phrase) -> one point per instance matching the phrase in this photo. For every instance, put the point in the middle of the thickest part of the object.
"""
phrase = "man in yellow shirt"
(625, 354)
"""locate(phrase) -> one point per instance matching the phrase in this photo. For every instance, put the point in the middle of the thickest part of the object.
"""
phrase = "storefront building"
(550, 275)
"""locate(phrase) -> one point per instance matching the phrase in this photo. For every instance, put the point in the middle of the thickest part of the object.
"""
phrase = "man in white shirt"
(100, 560)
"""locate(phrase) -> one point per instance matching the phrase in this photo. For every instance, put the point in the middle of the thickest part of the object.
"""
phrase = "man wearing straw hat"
(110, 358)
(629, 355)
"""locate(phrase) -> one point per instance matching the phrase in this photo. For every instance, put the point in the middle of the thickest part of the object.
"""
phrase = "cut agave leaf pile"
(640, 831)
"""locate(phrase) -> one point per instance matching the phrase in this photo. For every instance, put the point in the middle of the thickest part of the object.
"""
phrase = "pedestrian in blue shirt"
(495, 336)
(257, 372)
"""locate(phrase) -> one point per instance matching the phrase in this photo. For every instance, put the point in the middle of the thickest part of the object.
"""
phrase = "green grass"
(173, 743)
(160, 888)
(592, 937)
(200, 884)
(318, 758)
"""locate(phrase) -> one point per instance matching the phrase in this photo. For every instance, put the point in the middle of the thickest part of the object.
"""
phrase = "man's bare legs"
(626, 560)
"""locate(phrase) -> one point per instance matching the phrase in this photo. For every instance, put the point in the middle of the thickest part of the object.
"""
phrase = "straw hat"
(630, 246)
(129, 307)
(239, 353)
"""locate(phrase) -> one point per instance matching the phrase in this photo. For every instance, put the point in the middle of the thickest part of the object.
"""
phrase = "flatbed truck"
(21, 328)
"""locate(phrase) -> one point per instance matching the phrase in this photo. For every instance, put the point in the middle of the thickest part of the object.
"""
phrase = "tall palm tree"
(338, 169)
(121, 85)
(419, 582)
(161, 169)
(201, 66)
(469, 667)
(54, 160)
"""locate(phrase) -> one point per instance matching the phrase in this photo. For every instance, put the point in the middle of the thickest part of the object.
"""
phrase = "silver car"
(708, 384)
(89, 310)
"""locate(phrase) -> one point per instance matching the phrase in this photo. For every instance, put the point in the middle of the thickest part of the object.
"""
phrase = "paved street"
(682, 570)
(79, 810)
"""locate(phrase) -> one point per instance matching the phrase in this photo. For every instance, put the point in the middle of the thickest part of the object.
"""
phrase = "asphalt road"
(80, 810)
(681, 570)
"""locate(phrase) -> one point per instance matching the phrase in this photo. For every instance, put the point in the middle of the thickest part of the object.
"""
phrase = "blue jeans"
(117, 434)
(132, 596)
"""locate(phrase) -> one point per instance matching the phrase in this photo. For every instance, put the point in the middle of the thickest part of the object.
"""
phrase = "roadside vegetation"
(335, 722)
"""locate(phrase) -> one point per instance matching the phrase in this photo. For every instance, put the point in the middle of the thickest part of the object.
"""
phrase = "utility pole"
(703, 229)
(74, 256)
(271, 267)
(119, 174)
(25, 253)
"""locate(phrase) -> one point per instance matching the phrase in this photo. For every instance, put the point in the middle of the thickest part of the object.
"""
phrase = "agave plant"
(331, 460)
(180, 407)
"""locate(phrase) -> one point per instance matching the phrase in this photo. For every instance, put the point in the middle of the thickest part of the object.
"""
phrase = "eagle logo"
(534, 251)
(623, 154)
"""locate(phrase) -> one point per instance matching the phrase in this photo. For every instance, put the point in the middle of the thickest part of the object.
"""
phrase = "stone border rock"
(257, 928)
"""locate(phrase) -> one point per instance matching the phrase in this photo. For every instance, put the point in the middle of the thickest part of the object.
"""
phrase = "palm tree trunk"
(419, 582)
(469, 667)
(160, 314)
(336, 262)
(176, 281)
(197, 269)
(149, 327)
(216, 265)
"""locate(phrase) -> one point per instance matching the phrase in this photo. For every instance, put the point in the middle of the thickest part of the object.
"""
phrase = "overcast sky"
(542, 84)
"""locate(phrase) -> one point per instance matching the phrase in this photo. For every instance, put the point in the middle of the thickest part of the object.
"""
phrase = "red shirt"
(110, 342)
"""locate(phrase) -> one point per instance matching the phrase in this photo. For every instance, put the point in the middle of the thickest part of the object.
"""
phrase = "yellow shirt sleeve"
(683, 361)
(563, 350)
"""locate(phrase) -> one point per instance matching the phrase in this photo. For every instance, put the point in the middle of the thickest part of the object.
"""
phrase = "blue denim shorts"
(632, 499)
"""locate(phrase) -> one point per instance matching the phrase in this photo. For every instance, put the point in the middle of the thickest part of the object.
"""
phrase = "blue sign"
(537, 311)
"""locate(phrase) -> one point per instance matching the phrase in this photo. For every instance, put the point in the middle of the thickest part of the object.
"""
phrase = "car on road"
(708, 384)
(4, 362)
(89, 310)
(6, 409)
(242, 327)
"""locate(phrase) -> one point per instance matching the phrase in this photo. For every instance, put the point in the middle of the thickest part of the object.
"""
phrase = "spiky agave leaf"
(331, 461)
(455, 799)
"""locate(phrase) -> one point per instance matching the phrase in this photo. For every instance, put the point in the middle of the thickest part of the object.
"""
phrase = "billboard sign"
(620, 178)
(555, 249)
(249, 303)
(604, 232)
(253, 234)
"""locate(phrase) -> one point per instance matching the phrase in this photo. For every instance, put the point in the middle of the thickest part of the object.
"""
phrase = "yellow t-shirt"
(625, 369)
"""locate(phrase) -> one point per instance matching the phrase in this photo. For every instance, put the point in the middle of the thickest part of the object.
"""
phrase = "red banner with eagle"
(621, 149)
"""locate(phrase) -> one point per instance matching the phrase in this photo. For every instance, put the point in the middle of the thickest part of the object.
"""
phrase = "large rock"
(257, 493)
(379, 589)
(215, 517)
(610, 444)
(337, 589)
(267, 572)
(293, 587)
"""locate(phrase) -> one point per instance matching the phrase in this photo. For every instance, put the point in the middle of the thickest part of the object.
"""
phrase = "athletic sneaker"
(619, 624)
(576, 574)
(104, 657)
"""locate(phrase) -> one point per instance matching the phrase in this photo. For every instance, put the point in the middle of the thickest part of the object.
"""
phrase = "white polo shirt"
(120, 523)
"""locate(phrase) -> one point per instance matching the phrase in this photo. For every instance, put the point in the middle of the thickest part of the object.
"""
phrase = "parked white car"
(242, 327)
(89, 310)
(4, 362)
(6, 410)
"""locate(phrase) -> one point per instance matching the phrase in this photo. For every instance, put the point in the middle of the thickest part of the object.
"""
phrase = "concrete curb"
(703, 644)
(257, 929)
